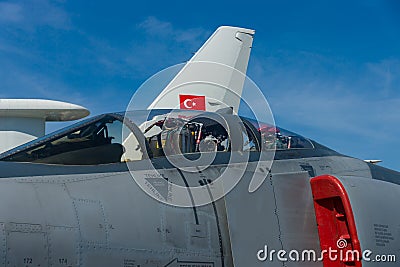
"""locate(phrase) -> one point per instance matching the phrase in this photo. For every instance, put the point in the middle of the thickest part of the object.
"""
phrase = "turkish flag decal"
(194, 102)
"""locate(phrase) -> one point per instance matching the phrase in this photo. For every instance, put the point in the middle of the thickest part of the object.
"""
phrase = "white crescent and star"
(189, 103)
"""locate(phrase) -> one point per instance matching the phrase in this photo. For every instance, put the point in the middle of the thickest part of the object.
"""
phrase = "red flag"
(194, 102)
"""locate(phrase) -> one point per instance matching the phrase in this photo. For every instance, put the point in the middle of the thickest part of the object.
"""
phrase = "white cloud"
(166, 30)
(28, 15)
(154, 26)
(10, 12)
(385, 75)
(156, 45)
(319, 93)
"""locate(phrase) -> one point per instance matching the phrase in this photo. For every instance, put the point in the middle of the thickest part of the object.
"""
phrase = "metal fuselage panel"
(105, 219)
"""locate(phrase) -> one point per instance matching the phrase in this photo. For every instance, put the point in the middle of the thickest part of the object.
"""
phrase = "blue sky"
(330, 69)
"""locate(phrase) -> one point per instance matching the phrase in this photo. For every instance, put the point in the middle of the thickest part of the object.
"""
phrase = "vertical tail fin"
(214, 76)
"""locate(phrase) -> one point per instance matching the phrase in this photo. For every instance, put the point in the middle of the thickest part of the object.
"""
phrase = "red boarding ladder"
(336, 225)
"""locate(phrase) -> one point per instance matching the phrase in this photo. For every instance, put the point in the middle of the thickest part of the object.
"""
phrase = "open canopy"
(136, 135)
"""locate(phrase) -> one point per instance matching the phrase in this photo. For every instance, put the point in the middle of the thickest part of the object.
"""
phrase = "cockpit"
(138, 135)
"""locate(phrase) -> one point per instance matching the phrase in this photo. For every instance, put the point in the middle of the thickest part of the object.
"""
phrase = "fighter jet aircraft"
(139, 188)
